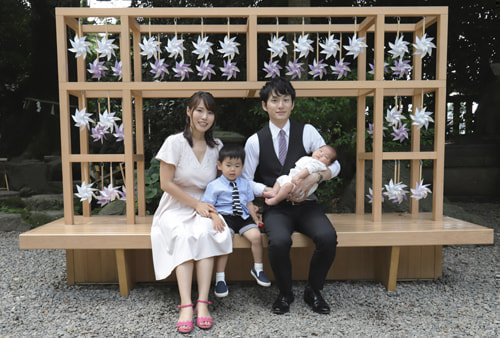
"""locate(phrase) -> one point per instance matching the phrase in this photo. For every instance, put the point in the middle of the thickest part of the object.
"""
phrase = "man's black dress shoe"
(282, 304)
(314, 299)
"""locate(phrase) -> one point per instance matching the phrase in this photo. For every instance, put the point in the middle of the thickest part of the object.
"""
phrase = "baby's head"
(231, 160)
(326, 154)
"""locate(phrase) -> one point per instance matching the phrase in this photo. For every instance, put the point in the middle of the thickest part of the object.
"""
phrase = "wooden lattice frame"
(373, 22)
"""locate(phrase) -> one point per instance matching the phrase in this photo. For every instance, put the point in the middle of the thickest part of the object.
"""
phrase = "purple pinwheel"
(99, 133)
(117, 69)
(341, 68)
(401, 68)
(318, 68)
(370, 195)
(107, 195)
(395, 192)
(229, 69)
(372, 68)
(159, 68)
(97, 69)
(272, 69)
(370, 130)
(205, 69)
(420, 190)
(182, 70)
(119, 132)
(400, 133)
(294, 68)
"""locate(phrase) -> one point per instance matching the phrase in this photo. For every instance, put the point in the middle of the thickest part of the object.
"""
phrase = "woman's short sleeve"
(170, 150)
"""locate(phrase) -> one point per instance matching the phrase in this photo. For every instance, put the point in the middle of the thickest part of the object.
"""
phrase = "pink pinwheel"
(82, 118)
(341, 68)
(294, 68)
(80, 46)
(205, 69)
(119, 132)
(150, 47)
(394, 116)
(303, 46)
(395, 192)
(421, 118)
(99, 133)
(85, 192)
(330, 47)
(370, 195)
(370, 130)
(106, 47)
(175, 47)
(277, 46)
(399, 48)
(420, 190)
(202, 47)
(424, 46)
(272, 69)
(356, 46)
(229, 47)
(229, 69)
(108, 194)
(159, 68)
(182, 70)
(317, 69)
(117, 69)
(401, 68)
(372, 68)
(97, 69)
(400, 133)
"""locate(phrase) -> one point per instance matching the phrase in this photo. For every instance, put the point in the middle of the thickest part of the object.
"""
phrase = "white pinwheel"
(229, 47)
(203, 47)
(399, 48)
(150, 47)
(395, 192)
(420, 190)
(107, 120)
(356, 46)
(85, 192)
(394, 116)
(277, 46)
(80, 46)
(424, 46)
(303, 46)
(82, 118)
(175, 47)
(330, 47)
(421, 118)
(106, 47)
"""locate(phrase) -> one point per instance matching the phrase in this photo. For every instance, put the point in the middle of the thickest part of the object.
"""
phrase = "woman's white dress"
(179, 233)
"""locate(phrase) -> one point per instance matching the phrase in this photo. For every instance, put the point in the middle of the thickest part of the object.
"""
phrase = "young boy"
(320, 159)
(241, 218)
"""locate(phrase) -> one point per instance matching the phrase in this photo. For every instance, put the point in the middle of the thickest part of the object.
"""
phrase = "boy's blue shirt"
(219, 193)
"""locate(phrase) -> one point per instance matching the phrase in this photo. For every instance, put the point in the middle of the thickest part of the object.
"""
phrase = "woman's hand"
(204, 209)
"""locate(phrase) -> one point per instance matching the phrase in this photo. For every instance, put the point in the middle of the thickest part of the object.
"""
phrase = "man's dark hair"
(232, 151)
(280, 86)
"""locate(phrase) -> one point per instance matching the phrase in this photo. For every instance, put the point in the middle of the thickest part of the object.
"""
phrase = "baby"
(306, 165)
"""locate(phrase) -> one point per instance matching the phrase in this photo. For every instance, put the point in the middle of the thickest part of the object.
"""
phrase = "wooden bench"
(104, 249)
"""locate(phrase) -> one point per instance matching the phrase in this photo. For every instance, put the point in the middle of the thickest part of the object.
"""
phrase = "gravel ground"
(35, 300)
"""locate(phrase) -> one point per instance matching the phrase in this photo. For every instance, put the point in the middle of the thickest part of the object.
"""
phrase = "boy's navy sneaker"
(221, 289)
(260, 278)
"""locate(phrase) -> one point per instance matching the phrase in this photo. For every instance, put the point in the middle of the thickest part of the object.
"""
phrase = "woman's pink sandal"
(201, 321)
(187, 326)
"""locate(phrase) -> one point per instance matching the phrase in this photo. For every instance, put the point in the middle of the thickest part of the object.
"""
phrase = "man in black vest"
(272, 152)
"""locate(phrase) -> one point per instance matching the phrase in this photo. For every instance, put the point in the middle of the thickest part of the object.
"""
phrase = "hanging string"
(340, 48)
(150, 28)
(355, 24)
(228, 36)
(317, 46)
(175, 27)
(422, 99)
(277, 26)
(111, 173)
(302, 26)
(109, 104)
(201, 28)
(294, 51)
(158, 52)
(79, 27)
(420, 171)
(329, 26)
(123, 173)
(399, 169)
(395, 170)
(423, 27)
(397, 32)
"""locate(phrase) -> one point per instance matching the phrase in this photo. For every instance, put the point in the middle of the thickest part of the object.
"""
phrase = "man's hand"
(302, 187)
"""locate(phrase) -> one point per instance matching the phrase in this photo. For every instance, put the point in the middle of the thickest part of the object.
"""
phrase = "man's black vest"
(270, 168)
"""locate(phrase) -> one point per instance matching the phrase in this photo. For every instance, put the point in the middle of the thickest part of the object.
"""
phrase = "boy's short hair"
(335, 153)
(232, 151)
(279, 85)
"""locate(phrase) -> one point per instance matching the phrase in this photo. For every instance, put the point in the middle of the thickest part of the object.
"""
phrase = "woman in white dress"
(182, 235)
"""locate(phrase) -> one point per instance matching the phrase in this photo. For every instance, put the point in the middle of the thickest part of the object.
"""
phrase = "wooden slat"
(113, 232)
